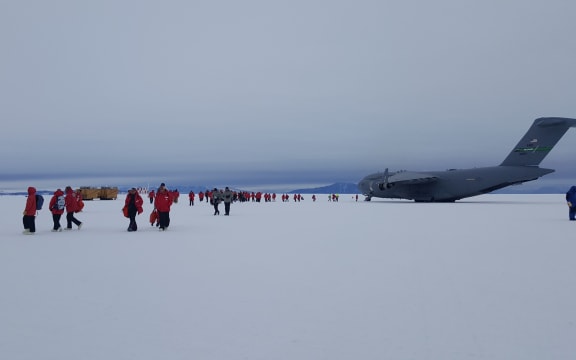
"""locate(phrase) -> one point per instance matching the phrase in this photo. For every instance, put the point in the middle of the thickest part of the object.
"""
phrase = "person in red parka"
(191, 198)
(56, 206)
(29, 219)
(71, 207)
(151, 196)
(133, 203)
(79, 200)
(162, 203)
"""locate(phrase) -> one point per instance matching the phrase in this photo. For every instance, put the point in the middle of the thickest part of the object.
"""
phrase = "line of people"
(71, 202)
(163, 200)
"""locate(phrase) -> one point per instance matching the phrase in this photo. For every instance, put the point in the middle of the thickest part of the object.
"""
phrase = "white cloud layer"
(312, 87)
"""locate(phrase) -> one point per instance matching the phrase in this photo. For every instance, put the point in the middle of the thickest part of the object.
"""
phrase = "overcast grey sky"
(278, 91)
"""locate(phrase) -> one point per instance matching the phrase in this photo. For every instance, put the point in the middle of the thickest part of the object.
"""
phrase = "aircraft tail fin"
(538, 141)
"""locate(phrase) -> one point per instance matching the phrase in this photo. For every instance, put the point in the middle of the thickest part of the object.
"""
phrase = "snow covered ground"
(490, 277)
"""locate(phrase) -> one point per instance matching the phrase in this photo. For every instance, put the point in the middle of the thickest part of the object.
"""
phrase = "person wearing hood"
(133, 204)
(57, 205)
(71, 207)
(571, 201)
(162, 204)
(29, 219)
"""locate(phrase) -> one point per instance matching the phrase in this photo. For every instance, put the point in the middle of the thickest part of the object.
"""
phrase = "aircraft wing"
(407, 177)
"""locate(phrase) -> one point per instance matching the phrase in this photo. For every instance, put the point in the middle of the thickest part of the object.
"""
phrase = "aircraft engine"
(384, 186)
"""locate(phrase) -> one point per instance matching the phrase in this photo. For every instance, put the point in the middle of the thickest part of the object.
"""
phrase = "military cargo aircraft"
(520, 165)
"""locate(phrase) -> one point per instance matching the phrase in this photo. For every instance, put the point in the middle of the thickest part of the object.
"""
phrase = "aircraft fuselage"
(446, 186)
(519, 166)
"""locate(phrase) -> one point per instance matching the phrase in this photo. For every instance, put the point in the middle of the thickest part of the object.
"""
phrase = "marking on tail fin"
(533, 149)
(538, 141)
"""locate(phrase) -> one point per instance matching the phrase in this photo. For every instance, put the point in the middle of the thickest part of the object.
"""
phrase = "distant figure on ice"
(29, 219)
(151, 196)
(57, 206)
(72, 206)
(216, 199)
(571, 201)
(134, 204)
(163, 203)
(228, 196)
(191, 198)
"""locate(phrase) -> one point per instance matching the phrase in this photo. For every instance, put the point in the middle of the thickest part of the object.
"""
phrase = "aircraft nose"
(364, 186)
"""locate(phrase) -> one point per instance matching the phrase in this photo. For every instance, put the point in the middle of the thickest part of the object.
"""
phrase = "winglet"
(538, 141)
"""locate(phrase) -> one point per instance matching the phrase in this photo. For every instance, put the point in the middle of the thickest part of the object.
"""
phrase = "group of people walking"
(215, 197)
(69, 201)
(163, 199)
(219, 196)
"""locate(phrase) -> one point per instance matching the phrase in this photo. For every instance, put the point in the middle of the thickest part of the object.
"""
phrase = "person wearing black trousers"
(57, 206)
(162, 203)
(71, 207)
(216, 199)
(29, 219)
(228, 196)
(133, 204)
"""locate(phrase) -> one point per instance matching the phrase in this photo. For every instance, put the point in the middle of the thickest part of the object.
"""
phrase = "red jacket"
(138, 201)
(30, 209)
(71, 201)
(163, 201)
(53, 201)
